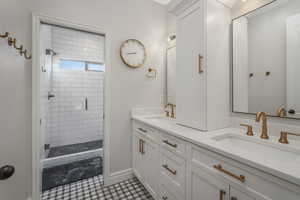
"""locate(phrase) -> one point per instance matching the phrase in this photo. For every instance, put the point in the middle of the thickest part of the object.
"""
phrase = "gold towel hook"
(25, 54)
(27, 57)
(18, 48)
(11, 41)
(5, 35)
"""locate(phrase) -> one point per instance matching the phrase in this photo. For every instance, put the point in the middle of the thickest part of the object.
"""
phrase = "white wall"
(140, 19)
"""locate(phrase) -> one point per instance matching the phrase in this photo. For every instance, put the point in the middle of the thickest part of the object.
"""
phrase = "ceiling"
(228, 3)
(163, 2)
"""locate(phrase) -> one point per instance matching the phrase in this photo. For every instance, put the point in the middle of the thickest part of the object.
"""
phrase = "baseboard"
(119, 176)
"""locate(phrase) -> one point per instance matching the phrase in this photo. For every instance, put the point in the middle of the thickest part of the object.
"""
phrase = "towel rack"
(13, 42)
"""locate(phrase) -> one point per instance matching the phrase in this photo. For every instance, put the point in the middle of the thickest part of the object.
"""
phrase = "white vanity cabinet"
(206, 186)
(236, 195)
(231, 180)
(202, 68)
(138, 158)
(171, 168)
(145, 155)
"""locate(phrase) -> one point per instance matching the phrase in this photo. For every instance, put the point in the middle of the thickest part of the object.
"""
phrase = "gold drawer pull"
(240, 177)
(222, 194)
(143, 130)
(174, 172)
(170, 144)
(141, 146)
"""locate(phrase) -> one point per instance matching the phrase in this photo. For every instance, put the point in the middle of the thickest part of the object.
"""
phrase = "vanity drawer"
(212, 161)
(173, 144)
(166, 193)
(146, 131)
(173, 171)
(243, 177)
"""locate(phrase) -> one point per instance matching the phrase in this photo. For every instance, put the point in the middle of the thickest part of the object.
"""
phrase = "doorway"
(70, 84)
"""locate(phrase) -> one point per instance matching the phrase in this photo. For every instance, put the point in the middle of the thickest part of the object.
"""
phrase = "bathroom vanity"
(178, 163)
(195, 157)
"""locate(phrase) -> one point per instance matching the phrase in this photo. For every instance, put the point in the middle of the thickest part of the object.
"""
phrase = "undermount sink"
(162, 119)
(255, 148)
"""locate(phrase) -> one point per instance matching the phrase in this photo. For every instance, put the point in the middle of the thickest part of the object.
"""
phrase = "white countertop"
(283, 164)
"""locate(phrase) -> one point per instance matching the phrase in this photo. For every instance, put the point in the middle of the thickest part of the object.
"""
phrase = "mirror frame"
(231, 64)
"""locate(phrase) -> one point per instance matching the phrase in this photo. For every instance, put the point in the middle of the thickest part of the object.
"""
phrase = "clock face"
(133, 53)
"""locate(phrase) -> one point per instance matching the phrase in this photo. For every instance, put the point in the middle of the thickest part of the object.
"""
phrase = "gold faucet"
(172, 110)
(284, 137)
(262, 116)
(281, 112)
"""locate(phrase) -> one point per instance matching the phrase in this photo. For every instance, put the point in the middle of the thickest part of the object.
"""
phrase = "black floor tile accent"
(72, 172)
(93, 189)
(75, 148)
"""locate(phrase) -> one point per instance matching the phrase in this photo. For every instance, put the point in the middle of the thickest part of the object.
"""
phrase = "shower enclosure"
(72, 105)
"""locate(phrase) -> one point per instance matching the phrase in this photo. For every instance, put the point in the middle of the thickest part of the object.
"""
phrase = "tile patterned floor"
(93, 189)
(71, 172)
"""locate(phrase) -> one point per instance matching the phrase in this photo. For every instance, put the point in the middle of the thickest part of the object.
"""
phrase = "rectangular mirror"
(266, 60)
(171, 70)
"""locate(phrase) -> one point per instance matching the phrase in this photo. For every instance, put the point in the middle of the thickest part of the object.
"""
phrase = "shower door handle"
(50, 95)
(86, 104)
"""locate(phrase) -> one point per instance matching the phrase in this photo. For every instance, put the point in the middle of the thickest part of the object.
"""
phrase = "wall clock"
(133, 53)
